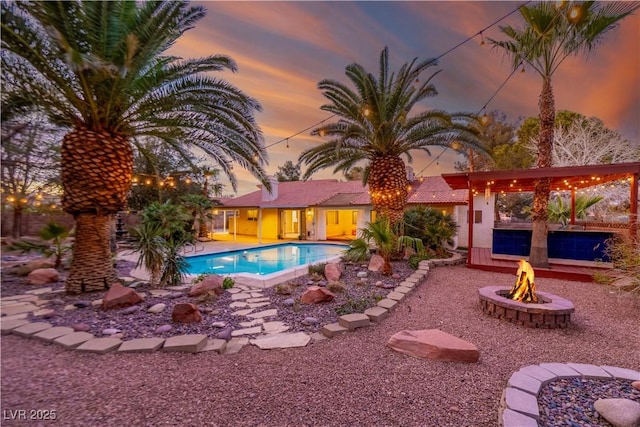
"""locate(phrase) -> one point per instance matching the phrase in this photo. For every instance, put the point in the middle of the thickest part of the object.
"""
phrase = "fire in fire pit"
(524, 290)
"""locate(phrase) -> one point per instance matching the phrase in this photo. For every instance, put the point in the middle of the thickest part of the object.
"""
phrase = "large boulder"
(315, 295)
(25, 269)
(42, 276)
(211, 283)
(186, 313)
(434, 344)
(376, 263)
(619, 412)
(118, 296)
(332, 272)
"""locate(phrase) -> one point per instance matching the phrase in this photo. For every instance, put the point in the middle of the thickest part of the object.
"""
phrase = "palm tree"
(386, 240)
(374, 125)
(199, 206)
(100, 68)
(551, 34)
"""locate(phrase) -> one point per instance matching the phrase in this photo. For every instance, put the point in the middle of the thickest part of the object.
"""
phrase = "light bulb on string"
(287, 142)
(482, 43)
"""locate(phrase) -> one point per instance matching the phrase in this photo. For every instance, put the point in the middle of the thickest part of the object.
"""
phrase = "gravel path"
(349, 380)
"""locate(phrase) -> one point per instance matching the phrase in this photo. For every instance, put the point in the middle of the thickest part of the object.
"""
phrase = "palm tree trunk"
(388, 187)
(96, 176)
(539, 255)
(92, 265)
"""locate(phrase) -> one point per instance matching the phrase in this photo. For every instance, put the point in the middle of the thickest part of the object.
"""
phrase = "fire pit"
(530, 308)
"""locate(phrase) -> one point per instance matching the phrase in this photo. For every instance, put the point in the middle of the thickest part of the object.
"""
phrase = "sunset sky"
(283, 49)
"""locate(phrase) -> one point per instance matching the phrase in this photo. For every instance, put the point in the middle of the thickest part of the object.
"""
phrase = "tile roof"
(331, 192)
(300, 194)
(435, 190)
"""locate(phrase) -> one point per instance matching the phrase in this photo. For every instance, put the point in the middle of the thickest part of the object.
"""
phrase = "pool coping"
(248, 279)
(269, 280)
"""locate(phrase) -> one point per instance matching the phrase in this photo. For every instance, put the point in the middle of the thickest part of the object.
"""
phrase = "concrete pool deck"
(241, 243)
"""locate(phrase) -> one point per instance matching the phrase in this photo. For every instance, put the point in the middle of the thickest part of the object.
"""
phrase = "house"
(329, 209)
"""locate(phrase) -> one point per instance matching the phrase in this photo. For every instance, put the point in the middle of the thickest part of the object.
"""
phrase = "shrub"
(283, 289)
(431, 226)
(414, 260)
(336, 287)
(354, 306)
(317, 268)
(624, 253)
(228, 283)
(199, 278)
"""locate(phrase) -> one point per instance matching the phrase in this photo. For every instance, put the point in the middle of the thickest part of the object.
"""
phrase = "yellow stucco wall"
(345, 224)
(270, 223)
(245, 226)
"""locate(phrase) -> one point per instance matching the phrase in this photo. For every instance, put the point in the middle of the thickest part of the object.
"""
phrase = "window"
(252, 214)
(354, 217)
(477, 217)
(332, 217)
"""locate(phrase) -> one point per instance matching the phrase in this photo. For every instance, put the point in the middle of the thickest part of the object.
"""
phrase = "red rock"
(434, 344)
(332, 272)
(118, 296)
(212, 282)
(315, 295)
(376, 263)
(42, 276)
(186, 313)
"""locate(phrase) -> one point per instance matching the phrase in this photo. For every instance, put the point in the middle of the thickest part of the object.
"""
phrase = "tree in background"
(160, 175)
(553, 32)
(288, 172)
(100, 68)
(356, 173)
(497, 137)
(30, 165)
(587, 141)
(375, 125)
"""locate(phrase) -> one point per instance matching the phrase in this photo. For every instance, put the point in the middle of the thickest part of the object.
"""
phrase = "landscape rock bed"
(570, 401)
(216, 311)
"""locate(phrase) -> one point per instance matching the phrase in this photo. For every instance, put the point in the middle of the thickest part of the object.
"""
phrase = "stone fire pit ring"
(551, 312)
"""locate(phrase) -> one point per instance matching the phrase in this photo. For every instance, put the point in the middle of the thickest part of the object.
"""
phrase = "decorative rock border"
(519, 401)
(385, 306)
(194, 343)
(553, 312)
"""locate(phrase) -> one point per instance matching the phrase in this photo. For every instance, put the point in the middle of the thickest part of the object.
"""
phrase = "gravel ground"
(353, 379)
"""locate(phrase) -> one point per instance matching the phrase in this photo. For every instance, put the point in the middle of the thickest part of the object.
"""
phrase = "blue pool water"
(263, 260)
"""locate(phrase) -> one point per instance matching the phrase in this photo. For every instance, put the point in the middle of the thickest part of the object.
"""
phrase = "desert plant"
(317, 268)
(624, 253)
(147, 241)
(354, 305)
(199, 278)
(54, 235)
(358, 251)
(163, 232)
(227, 283)
(336, 287)
(431, 226)
(283, 289)
(414, 260)
(386, 241)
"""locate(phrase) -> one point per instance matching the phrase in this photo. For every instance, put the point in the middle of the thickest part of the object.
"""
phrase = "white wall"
(482, 232)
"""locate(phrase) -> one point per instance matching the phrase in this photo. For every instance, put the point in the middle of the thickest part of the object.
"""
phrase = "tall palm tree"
(100, 68)
(375, 126)
(553, 32)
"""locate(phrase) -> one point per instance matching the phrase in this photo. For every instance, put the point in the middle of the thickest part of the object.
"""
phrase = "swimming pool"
(263, 260)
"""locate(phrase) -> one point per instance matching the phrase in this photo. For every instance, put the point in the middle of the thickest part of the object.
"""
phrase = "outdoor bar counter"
(585, 245)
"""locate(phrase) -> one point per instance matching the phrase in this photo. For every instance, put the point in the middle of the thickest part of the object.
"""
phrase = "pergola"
(570, 178)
